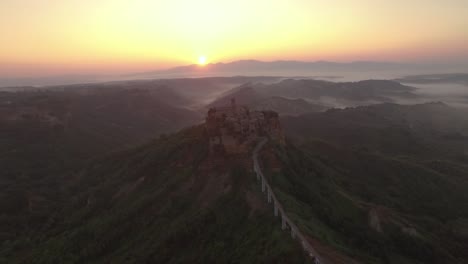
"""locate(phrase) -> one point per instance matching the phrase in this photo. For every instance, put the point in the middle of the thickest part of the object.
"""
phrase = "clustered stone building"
(232, 129)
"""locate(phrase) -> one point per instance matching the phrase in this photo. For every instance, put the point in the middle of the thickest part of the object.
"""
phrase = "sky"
(59, 37)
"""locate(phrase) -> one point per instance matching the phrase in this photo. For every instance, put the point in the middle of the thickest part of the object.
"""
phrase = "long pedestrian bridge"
(278, 210)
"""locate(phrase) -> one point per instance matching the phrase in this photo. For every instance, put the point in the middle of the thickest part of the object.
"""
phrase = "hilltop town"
(233, 129)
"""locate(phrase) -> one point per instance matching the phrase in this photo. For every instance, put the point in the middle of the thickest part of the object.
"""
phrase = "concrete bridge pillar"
(278, 209)
(269, 195)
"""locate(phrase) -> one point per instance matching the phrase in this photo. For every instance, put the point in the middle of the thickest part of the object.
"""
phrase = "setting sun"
(201, 60)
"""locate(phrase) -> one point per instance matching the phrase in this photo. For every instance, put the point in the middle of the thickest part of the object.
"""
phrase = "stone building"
(232, 129)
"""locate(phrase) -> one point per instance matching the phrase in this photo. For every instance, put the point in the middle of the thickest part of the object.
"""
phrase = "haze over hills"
(292, 96)
(456, 78)
(328, 70)
(325, 70)
(275, 66)
(79, 160)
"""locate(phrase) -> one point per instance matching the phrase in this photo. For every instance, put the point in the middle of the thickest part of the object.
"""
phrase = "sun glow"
(120, 36)
(201, 60)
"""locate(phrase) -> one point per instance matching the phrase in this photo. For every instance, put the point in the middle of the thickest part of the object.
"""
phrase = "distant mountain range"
(324, 69)
(288, 65)
(290, 68)
(293, 97)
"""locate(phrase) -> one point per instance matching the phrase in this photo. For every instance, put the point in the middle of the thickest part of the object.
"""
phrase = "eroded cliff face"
(234, 129)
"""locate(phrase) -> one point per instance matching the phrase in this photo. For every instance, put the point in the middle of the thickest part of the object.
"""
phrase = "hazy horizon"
(326, 70)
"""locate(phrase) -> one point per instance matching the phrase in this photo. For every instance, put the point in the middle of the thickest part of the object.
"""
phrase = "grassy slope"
(159, 203)
(34, 153)
(331, 199)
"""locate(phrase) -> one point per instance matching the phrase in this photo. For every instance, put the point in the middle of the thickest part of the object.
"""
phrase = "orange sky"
(48, 37)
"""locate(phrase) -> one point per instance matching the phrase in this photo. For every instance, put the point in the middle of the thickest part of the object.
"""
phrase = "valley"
(372, 181)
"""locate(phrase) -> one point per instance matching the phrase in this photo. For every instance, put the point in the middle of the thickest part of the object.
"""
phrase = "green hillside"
(164, 202)
(382, 184)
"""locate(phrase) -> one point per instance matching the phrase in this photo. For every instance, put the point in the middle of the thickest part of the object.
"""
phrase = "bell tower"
(233, 105)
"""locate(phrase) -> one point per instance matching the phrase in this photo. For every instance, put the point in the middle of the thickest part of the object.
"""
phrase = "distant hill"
(184, 92)
(378, 90)
(46, 134)
(458, 78)
(288, 106)
(422, 130)
(248, 96)
(357, 70)
(244, 95)
(114, 114)
(298, 96)
(274, 68)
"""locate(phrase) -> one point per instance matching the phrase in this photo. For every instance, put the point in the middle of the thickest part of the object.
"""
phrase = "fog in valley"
(246, 131)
